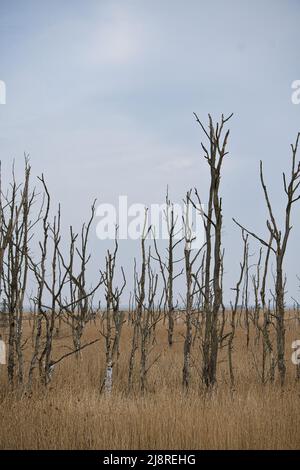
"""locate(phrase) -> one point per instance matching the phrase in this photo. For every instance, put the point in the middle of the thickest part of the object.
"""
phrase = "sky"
(101, 95)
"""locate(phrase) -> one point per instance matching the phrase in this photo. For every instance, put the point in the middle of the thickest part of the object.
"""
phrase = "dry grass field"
(71, 413)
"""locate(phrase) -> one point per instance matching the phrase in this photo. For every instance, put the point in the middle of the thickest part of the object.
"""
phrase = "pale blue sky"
(101, 95)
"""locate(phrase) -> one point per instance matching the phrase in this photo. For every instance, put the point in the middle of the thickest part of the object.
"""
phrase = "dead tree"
(167, 268)
(14, 234)
(80, 314)
(148, 321)
(190, 259)
(280, 238)
(214, 154)
(113, 319)
(256, 284)
(140, 295)
(245, 297)
(234, 308)
(54, 287)
(39, 270)
(268, 354)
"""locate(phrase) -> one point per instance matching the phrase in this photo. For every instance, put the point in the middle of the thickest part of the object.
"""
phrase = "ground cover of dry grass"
(72, 414)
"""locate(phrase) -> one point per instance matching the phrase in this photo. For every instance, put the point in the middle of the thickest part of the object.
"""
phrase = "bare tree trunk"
(140, 299)
(234, 308)
(214, 155)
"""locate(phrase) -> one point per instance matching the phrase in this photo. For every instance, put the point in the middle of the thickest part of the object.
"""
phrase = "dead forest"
(37, 270)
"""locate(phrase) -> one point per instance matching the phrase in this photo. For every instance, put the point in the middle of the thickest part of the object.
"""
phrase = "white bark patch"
(108, 379)
(2, 353)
